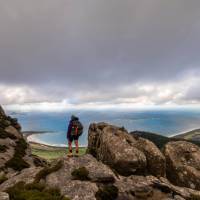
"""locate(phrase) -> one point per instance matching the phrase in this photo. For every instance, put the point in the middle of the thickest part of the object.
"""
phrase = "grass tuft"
(34, 191)
(80, 174)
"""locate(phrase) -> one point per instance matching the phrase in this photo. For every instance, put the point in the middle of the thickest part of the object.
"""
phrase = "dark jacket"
(70, 125)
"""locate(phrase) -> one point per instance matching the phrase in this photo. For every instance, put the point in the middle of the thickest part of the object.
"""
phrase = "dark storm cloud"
(101, 46)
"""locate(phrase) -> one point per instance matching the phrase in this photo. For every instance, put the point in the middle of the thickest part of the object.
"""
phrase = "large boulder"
(98, 172)
(156, 163)
(183, 164)
(75, 187)
(123, 152)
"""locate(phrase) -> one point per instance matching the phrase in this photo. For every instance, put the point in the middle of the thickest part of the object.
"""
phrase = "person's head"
(73, 117)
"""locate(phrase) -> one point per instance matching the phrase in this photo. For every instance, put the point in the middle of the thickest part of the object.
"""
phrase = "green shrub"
(16, 162)
(48, 170)
(34, 191)
(3, 178)
(80, 174)
(35, 186)
(3, 148)
(107, 192)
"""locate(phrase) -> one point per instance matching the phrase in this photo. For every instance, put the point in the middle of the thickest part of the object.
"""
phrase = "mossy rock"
(3, 148)
(81, 174)
(48, 170)
(34, 191)
(16, 162)
(107, 192)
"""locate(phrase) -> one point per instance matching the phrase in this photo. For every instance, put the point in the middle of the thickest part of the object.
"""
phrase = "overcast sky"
(100, 52)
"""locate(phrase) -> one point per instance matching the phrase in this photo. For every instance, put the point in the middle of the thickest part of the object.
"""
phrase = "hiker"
(75, 130)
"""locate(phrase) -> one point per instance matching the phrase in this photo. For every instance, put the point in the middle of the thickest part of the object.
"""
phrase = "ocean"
(166, 122)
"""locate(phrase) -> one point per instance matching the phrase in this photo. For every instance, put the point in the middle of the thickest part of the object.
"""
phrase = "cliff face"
(117, 165)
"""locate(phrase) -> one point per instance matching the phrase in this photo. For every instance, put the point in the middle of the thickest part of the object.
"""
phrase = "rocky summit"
(118, 165)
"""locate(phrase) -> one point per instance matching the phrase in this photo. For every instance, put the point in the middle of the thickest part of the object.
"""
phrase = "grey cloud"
(64, 47)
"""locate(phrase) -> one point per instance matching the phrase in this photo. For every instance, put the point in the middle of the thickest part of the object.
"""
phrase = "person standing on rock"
(75, 130)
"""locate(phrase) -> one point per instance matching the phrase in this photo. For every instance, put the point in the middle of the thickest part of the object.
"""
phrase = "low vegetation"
(107, 192)
(52, 153)
(16, 162)
(34, 191)
(81, 174)
(48, 170)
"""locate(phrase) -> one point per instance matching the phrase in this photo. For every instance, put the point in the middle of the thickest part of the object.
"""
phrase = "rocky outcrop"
(118, 166)
(72, 186)
(183, 164)
(98, 172)
(26, 175)
(123, 152)
(150, 187)
(15, 152)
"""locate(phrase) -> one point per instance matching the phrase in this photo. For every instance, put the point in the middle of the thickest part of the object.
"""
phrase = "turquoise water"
(164, 122)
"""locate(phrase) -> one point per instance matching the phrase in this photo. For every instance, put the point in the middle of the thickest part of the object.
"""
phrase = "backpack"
(77, 128)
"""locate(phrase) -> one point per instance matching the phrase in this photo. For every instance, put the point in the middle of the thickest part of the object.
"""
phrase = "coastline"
(26, 134)
(189, 135)
(181, 134)
(192, 134)
(29, 136)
